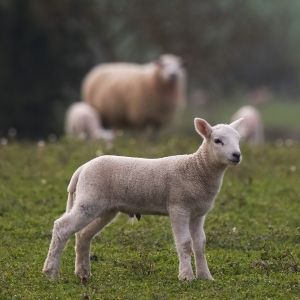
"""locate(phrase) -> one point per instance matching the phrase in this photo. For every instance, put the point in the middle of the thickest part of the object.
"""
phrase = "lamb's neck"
(208, 165)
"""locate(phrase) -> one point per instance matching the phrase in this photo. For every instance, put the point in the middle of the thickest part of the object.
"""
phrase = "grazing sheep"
(135, 96)
(183, 187)
(82, 121)
(251, 130)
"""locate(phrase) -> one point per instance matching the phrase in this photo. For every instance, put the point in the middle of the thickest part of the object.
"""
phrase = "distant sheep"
(135, 96)
(83, 121)
(252, 129)
(183, 187)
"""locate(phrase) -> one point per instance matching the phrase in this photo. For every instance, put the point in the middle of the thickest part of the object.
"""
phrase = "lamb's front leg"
(199, 241)
(180, 227)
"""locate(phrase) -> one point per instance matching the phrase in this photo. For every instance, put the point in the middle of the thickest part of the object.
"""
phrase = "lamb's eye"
(217, 141)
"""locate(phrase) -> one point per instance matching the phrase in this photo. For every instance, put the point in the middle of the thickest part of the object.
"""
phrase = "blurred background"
(238, 52)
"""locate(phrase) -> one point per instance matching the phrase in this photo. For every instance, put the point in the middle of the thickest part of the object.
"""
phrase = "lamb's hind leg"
(84, 239)
(63, 228)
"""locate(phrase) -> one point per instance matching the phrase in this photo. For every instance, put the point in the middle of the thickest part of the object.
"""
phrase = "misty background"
(232, 47)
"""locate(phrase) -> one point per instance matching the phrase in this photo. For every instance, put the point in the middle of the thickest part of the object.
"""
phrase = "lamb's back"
(137, 180)
(146, 186)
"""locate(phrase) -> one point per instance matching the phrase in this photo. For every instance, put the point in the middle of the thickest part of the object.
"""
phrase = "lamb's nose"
(236, 155)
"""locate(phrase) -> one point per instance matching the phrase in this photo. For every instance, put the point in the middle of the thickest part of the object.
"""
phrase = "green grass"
(253, 231)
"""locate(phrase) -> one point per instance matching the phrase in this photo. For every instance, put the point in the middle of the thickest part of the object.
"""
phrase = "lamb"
(251, 130)
(128, 95)
(82, 121)
(183, 187)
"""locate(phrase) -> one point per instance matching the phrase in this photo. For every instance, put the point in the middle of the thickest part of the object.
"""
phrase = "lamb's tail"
(72, 189)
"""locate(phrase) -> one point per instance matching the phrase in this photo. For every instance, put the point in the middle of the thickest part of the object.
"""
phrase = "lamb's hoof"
(83, 273)
(51, 274)
(186, 276)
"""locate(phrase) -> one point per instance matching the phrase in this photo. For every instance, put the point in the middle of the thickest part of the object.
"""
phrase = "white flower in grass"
(99, 152)
(4, 141)
(41, 143)
(293, 168)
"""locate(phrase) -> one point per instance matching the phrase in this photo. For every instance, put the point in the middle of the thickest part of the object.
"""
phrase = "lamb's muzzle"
(236, 157)
(183, 187)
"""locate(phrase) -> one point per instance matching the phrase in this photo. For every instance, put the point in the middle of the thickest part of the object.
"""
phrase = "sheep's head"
(222, 141)
(171, 68)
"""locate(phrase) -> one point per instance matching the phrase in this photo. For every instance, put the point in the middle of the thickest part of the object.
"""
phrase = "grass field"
(253, 231)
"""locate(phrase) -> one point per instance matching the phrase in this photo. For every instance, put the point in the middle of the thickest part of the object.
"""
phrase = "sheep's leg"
(83, 243)
(63, 228)
(180, 227)
(199, 241)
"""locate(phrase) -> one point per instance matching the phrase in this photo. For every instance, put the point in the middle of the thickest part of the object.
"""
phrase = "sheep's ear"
(185, 60)
(183, 63)
(202, 127)
(236, 123)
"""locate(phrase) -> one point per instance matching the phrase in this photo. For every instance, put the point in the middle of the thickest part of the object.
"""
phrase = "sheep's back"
(127, 95)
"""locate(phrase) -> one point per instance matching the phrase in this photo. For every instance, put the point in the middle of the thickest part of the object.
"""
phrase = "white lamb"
(83, 121)
(128, 95)
(252, 128)
(183, 187)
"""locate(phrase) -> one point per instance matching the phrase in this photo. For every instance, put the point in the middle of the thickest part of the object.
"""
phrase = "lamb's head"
(171, 68)
(222, 141)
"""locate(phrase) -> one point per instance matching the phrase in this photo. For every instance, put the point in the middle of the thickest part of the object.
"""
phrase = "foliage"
(253, 234)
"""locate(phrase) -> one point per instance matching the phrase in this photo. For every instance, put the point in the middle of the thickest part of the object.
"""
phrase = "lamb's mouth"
(234, 161)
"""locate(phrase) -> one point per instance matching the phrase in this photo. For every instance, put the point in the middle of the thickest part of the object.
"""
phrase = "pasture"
(253, 231)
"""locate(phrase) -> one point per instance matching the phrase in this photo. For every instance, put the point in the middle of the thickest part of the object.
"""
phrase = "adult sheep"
(183, 187)
(252, 128)
(128, 95)
(82, 121)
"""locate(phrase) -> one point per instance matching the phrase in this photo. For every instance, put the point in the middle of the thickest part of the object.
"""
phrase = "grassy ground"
(253, 231)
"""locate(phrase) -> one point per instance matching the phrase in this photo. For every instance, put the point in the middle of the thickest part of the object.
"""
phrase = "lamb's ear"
(202, 127)
(236, 123)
